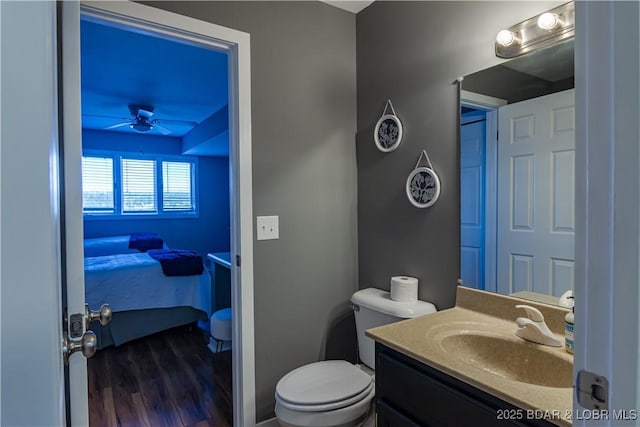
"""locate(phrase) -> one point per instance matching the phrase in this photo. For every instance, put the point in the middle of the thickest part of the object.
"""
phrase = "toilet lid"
(328, 384)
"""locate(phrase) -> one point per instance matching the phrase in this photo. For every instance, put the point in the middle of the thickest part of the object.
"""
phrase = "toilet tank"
(374, 307)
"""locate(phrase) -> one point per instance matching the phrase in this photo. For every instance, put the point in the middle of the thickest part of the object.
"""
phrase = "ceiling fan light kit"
(141, 114)
(141, 126)
(141, 120)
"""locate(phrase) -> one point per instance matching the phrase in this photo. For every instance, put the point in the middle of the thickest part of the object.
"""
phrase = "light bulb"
(548, 21)
(506, 38)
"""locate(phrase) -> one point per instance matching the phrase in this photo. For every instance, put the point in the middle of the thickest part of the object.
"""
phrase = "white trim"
(354, 6)
(271, 422)
(491, 203)
(0, 217)
(72, 143)
(244, 395)
(471, 99)
(638, 297)
(490, 105)
(482, 102)
(237, 45)
(607, 331)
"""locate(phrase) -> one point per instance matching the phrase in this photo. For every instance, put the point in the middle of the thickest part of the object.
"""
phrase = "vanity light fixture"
(548, 21)
(506, 38)
(538, 32)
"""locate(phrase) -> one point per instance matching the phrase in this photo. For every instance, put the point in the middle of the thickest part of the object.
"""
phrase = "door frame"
(237, 45)
(490, 106)
(607, 321)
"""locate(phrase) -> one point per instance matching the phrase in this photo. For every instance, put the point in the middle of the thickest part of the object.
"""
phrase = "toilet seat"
(323, 386)
(354, 414)
(327, 406)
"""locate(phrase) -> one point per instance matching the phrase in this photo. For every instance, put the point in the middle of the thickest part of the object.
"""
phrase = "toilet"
(336, 393)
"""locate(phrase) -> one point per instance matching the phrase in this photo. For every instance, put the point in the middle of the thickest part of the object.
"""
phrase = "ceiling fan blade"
(98, 116)
(118, 125)
(180, 122)
(163, 130)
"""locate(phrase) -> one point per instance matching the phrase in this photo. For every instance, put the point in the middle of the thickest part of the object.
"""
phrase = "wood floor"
(168, 379)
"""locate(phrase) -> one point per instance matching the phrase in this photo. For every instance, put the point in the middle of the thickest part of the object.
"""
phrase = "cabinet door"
(386, 416)
(426, 399)
(413, 394)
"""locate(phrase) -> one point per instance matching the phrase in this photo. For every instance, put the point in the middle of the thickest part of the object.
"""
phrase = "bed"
(111, 245)
(143, 299)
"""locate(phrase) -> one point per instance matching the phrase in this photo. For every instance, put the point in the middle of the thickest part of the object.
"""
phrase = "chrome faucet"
(533, 328)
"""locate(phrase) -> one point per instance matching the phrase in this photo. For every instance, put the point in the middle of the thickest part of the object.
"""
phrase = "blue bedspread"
(178, 262)
(145, 241)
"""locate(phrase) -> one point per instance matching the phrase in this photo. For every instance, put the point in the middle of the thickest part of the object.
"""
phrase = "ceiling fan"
(141, 120)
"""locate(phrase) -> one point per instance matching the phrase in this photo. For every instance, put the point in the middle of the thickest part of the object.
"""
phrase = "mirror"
(517, 192)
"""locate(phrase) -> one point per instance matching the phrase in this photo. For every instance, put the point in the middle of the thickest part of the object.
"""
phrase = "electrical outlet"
(267, 227)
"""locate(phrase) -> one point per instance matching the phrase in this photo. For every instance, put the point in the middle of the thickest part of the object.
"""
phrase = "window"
(176, 186)
(125, 185)
(139, 186)
(97, 185)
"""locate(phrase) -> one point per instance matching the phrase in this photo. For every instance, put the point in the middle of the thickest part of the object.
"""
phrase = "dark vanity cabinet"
(412, 394)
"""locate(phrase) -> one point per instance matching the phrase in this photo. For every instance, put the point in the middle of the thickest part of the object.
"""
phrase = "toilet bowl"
(336, 393)
(331, 393)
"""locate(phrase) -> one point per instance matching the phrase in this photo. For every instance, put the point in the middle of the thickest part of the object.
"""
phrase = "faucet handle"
(532, 312)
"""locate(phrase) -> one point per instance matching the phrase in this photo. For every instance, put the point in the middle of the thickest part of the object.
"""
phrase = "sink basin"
(512, 359)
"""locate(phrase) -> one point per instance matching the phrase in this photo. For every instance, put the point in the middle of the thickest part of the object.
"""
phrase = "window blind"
(177, 186)
(97, 185)
(139, 186)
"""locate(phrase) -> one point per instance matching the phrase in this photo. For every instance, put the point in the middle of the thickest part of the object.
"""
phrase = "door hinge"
(592, 391)
(238, 260)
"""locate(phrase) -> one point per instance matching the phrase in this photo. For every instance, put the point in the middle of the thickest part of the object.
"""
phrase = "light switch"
(267, 227)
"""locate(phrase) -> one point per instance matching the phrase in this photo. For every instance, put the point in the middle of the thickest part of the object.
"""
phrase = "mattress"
(136, 282)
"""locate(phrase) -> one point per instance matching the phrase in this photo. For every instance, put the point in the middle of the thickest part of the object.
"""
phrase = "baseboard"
(273, 422)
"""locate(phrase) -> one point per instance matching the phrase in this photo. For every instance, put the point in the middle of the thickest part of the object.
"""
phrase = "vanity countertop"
(490, 315)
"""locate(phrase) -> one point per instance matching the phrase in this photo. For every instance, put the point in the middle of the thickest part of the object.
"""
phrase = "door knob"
(104, 315)
(88, 345)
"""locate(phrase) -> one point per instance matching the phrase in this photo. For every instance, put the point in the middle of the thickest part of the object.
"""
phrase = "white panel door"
(31, 373)
(536, 195)
(472, 172)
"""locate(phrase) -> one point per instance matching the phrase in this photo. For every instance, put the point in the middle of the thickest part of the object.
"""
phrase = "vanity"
(466, 365)
(480, 363)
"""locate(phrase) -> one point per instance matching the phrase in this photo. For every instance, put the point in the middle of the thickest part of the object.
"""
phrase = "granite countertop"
(428, 339)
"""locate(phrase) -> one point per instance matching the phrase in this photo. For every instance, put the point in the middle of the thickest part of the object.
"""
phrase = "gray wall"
(303, 78)
(412, 52)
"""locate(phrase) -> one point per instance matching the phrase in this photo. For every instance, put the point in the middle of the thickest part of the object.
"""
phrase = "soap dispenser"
(568, 328)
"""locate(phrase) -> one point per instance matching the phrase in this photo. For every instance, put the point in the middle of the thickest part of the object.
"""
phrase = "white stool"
(220, 328)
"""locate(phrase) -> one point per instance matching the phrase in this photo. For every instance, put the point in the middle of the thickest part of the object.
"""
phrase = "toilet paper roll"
(404, 289)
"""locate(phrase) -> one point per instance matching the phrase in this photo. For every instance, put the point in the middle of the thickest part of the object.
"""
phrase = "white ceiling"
(351, 6)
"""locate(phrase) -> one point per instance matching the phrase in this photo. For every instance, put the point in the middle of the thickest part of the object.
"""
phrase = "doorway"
(478, 181)
(472, 196)
(155, 183)
(517, 195)
(167, 26)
